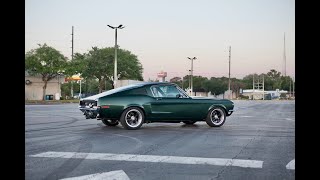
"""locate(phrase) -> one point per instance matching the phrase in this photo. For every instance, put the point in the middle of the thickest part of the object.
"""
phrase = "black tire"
(132, 118)
(189, 122)
(109, 122)
(216, 117)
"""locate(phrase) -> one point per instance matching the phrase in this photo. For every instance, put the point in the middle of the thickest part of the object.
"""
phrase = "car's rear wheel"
(216, 117)
(132, 118)
(110, 122)
(189, 122)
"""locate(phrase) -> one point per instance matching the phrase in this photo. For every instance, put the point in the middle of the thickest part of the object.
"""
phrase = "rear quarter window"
(138, 91)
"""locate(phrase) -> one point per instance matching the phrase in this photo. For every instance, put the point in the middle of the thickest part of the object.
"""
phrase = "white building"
(258, 94)
(125, 82)
(34, 87)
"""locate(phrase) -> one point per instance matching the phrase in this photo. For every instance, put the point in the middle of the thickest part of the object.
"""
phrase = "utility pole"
(252, 86)
(258, 85)
(182, 83)
(262, 87)
(115, 76)
(72, 45)
(194, 58)
(289, 87)
(293, 88)
(284, 55)
(229, 72)
(72, 59)
(189, 82)
(80, 90)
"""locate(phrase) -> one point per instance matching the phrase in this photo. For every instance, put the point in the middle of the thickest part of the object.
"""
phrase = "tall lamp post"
(191, 84)
(115, 76)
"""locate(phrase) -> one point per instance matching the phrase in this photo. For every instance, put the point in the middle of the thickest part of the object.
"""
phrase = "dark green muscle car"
(149, 102)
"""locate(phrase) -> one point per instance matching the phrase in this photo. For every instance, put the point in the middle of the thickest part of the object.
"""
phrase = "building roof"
(272, 91)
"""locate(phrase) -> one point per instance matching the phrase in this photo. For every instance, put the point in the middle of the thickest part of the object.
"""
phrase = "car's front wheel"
(216, 117)
(132, 118)
(110, 122)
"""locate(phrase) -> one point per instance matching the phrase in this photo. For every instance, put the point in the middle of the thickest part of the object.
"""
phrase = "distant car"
(149, 102)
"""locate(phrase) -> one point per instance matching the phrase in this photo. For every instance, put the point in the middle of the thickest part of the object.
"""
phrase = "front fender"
(218, 105)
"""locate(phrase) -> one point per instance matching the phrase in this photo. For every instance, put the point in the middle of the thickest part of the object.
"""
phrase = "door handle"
(159, 98)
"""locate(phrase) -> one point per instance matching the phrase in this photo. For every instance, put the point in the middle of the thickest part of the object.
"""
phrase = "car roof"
(124, 88)
(154, 83)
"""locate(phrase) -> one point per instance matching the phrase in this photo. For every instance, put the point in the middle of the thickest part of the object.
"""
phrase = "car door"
(170, 103)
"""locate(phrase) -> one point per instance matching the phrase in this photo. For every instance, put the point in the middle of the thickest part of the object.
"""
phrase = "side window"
(169, 91)
(172, 91)
(138, 91)
(157, 91)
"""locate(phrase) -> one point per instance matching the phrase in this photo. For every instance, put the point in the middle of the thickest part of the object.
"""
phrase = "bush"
(243, 97)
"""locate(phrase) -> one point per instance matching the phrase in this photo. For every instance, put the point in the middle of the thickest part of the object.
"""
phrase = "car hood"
(201, 97)
(211, 98)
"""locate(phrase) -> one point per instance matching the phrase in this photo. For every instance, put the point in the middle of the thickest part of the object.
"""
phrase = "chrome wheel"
(133, 118)
(216, 117)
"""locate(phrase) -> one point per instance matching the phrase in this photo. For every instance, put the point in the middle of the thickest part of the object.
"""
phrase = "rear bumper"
(90, 112)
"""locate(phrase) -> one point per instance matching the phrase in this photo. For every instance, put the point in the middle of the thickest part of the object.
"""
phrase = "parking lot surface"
(256, 142)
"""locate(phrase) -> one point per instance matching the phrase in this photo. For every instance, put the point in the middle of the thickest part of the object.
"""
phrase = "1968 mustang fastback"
(136, 104)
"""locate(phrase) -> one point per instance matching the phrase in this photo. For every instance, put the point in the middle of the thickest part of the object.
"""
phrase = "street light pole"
(80, 90)
(229, 72)
(115, 75)
(189, 82)
(194, 58)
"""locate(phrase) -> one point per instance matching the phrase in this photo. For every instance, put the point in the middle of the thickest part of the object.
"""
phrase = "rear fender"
(135, 105)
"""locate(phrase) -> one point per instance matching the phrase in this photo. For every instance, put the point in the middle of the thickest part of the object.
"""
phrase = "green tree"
(216, 85)
(198, 83)
(99, 64)
(177, 80)
(248, 81)
(46, 62)
(285, 83)
(90, 86)
(73, 67)
(236, 85)
(76, 65)
(274, 77)
(185, 82)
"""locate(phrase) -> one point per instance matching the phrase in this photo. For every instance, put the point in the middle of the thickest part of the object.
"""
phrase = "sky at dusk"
(164, 33)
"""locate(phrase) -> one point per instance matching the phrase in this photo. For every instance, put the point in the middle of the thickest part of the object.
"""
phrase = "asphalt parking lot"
(256, 142)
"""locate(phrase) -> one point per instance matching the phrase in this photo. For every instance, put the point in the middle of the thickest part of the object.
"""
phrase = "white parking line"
(156, 159)
(291, 164)
(112, 175)
(288, 119)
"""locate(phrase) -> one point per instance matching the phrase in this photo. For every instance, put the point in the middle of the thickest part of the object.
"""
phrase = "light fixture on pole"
(115, 76)
(191, 84)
